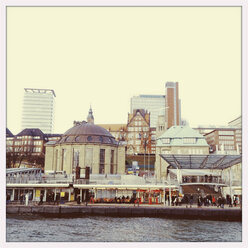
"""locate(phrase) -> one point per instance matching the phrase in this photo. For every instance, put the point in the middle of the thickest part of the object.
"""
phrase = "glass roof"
(201, 161)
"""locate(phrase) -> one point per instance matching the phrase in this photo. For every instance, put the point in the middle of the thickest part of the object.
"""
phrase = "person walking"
(57, 198)
(199, 202)
(191, 199)
(213, 201)
(219, 202)
(41, 199)
(78, 199)
(186, 200)
(26, 199)
(234, 201)
(8, 198)
(21, 198)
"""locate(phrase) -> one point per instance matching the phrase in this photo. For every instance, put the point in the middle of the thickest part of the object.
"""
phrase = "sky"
(102, 56)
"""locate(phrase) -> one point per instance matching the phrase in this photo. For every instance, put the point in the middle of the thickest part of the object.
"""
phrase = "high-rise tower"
(172, 104)
(152, 103)
(38, 109)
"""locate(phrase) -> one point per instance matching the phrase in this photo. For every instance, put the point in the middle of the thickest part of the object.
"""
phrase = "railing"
(202, 179)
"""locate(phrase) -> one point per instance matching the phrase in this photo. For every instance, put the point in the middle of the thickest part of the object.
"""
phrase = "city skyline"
(97, 58)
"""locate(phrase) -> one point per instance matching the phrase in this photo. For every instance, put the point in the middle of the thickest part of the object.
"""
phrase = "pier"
(117, 210)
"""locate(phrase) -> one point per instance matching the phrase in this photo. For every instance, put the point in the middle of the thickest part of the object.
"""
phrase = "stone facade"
(178, 140)
(60, 158)
(138, 132)
(85, 145)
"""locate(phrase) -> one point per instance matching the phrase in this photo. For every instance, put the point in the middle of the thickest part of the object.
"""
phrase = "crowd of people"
(206, 201)
(176, 200)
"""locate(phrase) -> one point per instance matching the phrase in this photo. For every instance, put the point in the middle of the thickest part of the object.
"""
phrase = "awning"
(124, 187)
(37, 185)
(201, 161)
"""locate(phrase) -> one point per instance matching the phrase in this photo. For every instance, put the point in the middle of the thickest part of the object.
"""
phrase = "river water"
(102, 229)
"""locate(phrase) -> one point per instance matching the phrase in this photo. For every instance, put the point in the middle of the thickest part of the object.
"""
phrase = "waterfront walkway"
(71, 209)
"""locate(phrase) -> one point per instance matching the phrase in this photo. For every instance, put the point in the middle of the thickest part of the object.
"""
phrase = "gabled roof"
(8, 133)
(176, 135)
(181, 132)
(142, 113)
(31, 132)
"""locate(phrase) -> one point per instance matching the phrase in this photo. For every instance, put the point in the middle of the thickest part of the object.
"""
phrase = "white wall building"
(38, 109)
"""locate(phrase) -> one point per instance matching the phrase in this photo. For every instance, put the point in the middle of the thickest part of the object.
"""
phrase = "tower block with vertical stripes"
(172, 104)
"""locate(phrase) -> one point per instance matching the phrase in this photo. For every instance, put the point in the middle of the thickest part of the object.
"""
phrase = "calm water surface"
(101, 229)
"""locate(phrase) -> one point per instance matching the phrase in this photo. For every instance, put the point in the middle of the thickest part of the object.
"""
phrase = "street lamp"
(144, 138)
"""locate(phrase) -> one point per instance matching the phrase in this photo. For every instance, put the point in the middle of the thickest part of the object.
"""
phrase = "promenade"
(71, 209)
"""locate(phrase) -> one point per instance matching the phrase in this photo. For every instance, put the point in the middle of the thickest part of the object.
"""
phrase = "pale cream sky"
(105, 55)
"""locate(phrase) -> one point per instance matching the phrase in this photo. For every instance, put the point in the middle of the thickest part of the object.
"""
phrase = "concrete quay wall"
(231, 214)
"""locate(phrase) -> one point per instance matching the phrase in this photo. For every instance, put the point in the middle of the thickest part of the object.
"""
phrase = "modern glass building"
(151, 103)
(38, 109)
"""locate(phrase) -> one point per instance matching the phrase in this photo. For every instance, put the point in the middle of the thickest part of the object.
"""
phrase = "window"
(63, 158)
(165, 141)
(56, 159)
(165, 151)
(112, 162)
(89, 158)
(189, 140)
(75, 158)
(102, 161)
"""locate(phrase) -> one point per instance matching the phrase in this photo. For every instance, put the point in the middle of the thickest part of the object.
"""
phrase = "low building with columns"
(85, 145)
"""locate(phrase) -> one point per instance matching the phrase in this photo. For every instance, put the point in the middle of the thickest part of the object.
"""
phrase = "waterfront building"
(178, 140)
(9, 140)
(205, 175)
(38, 109)
(85, 145)
(172, 105)
(238, 133)
(138, 132)
(27, 145)
(225, 140)
(150, 103)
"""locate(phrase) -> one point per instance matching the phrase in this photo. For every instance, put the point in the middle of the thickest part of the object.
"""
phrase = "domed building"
(85, 144)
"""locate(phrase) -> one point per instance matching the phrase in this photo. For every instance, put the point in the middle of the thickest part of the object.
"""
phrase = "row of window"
(228, 147)
(25, 149)
(135, 129)
(226, 132)
(88, 159)
(185, 140)
(226, 137)
(227, 142)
